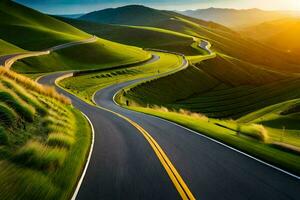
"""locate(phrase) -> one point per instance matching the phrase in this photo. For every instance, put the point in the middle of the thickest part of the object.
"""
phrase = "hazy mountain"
(282, 34)
(72, 16)
(238, 18)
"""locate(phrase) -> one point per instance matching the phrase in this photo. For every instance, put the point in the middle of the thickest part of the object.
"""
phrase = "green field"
(43, 140)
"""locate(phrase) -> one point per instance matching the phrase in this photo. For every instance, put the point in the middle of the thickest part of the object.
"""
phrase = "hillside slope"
(282, 34)
(141, 36)
(222, 38)
(42, 31)
(43, 140)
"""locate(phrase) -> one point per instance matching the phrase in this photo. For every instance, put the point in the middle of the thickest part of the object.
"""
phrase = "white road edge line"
(88, 159)
(216, 141)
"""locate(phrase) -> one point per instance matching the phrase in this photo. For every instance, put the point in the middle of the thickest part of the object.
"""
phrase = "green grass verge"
(266, 152)
(44, 142)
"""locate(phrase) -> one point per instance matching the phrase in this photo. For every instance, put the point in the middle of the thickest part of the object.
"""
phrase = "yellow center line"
(175, 177)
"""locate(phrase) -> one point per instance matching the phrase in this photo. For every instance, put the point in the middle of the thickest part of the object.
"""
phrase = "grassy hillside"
(222, 39)
(220, 87)
(7, 48)
(43, 140)
(31, 30)
(41, 31)
(101, 54)
(141, 36)
(282, 34)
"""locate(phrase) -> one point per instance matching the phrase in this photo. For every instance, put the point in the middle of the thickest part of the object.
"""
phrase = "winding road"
(138, 156)
(124, 165)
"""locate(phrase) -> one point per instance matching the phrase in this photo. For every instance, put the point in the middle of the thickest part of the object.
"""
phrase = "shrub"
(39, 156)
(255, 131)
(8, 117)
(60, 140)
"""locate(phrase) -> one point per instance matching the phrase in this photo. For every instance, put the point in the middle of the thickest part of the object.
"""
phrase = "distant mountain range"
(282, 34)
(72, 16)
(238, 18)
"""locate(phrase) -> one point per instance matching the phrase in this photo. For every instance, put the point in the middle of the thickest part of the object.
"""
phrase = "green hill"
(7, 48)
(101, 54)
(32, 30)
(42, 31)
(141, 36)
(222, 38)
(130, 15)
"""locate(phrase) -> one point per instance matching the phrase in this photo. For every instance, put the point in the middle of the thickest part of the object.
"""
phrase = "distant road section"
(8, 60)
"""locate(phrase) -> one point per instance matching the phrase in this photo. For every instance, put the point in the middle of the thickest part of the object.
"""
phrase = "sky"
(84, 6)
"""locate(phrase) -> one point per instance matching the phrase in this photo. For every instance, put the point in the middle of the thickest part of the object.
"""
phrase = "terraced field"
(43, 140)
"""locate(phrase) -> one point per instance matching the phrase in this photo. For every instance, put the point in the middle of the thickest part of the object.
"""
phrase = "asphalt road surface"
(123, 165)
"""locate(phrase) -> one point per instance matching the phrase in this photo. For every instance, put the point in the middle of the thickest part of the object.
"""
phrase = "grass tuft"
(38, 156)
(21, 107)
(256, 131)
(60, 140)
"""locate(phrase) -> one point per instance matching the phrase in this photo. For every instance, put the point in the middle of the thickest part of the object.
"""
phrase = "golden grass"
(30, 84)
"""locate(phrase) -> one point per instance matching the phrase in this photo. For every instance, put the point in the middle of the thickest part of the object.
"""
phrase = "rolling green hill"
(42, 31)
(222, 38)
(7, 48)
(101, 54)
(141, 36)
(131, 15)
(32, 30)
(282, 34)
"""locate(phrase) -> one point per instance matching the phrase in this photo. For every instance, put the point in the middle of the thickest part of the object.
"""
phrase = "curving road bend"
(211, 170)
(123, 166)
(8, 60)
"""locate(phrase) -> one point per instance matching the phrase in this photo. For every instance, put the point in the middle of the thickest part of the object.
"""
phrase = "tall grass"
(40, 156)
(23, 94)
(21, 107)
(60, 140)
(8, 116)
(31, 85)
(256, 131)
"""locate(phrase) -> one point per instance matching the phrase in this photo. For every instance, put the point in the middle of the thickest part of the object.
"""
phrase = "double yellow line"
(175, 177)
